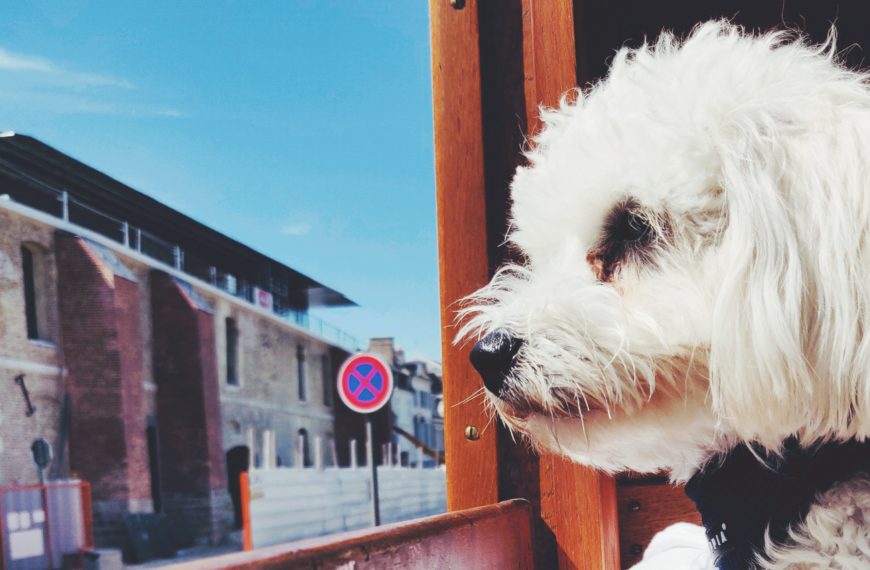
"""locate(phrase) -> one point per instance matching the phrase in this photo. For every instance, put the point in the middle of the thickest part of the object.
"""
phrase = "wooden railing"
(495, 536)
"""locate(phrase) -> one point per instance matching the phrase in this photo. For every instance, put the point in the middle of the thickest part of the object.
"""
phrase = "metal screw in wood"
(457, 4)
(471, 433)
(633, 506)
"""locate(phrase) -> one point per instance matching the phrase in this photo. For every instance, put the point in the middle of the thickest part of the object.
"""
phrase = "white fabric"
(681, 546)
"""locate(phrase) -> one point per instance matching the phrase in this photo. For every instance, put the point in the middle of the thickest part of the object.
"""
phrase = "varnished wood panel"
(472, 466)
(495, 536)
(577, 504)
(645, 509)
(549, 54)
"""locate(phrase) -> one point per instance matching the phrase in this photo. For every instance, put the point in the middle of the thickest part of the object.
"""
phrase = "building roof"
(35, 174)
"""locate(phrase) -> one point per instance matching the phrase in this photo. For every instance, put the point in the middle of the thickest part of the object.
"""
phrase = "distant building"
(161, 356)
(414, 403)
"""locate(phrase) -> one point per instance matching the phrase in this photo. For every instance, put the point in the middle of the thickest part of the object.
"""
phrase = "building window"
(232, 331)
(327, 380)
(303, 449)
(418, 428)
(300, 371)
(35, 292)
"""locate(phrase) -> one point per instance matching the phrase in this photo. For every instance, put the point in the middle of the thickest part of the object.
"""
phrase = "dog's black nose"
(493, 357)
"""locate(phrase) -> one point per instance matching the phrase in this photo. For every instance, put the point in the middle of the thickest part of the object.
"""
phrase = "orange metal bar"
(87, 514)
(247, 539)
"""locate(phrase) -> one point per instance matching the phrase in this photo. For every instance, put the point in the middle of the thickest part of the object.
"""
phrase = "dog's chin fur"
(665, 436)
(694, 242)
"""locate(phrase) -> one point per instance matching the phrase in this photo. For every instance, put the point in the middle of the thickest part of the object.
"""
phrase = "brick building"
(161, 357)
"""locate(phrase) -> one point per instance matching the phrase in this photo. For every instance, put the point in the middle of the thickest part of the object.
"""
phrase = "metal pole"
(370, 458)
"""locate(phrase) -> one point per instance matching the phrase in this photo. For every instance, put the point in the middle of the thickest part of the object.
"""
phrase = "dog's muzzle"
(493, 357)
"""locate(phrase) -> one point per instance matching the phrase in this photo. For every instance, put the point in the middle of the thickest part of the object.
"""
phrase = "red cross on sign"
(365, 383)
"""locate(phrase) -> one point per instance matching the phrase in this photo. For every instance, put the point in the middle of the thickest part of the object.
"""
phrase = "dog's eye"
(627, 227)
(626, 233)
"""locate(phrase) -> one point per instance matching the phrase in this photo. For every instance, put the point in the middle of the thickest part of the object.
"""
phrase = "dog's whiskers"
(476, 394)
(492, 415)
(582, 419)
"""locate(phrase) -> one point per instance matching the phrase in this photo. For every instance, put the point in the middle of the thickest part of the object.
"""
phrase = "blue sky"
(301, 128)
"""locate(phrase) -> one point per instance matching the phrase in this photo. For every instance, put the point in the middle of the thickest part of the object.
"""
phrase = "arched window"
(303, 448)
(35, 284)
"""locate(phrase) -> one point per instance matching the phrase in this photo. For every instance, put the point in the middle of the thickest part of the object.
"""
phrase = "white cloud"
(36, 84)
(296, 229)
(34, 100)
(17, 62)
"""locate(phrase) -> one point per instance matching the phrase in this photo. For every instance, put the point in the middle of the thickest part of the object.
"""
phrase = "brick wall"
(102, 344)
(39, 361)
(193, 474)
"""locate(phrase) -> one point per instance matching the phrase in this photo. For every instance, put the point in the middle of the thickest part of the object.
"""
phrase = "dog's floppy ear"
(788, 352)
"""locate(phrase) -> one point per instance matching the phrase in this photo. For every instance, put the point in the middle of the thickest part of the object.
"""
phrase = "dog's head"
(693, 243)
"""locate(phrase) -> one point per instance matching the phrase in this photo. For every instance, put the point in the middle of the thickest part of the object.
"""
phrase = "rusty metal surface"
(495, 536)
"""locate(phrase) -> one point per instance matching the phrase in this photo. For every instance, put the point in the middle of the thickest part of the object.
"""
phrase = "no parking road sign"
(365, 383)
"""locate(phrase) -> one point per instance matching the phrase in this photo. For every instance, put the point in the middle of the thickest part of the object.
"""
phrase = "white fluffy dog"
(695, 277)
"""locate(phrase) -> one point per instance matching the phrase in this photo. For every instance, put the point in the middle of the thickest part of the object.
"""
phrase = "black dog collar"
(740, 495)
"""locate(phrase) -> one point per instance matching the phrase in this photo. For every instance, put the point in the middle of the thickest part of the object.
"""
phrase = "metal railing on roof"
(60, 204)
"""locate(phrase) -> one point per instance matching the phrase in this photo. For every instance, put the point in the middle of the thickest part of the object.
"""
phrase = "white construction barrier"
(288, 504)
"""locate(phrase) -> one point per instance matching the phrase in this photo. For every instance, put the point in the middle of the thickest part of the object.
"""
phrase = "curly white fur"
(833, 536)
(748, 159)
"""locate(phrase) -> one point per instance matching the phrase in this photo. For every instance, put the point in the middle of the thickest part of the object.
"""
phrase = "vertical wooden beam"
(472, 466)
(548, 53)
(577, 504)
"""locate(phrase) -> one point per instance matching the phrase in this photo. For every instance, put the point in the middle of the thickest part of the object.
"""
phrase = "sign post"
(365, 384)
(370, 460)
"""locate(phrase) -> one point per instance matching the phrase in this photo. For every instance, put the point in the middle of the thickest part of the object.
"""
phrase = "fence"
(45, 526)
(289, 504)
